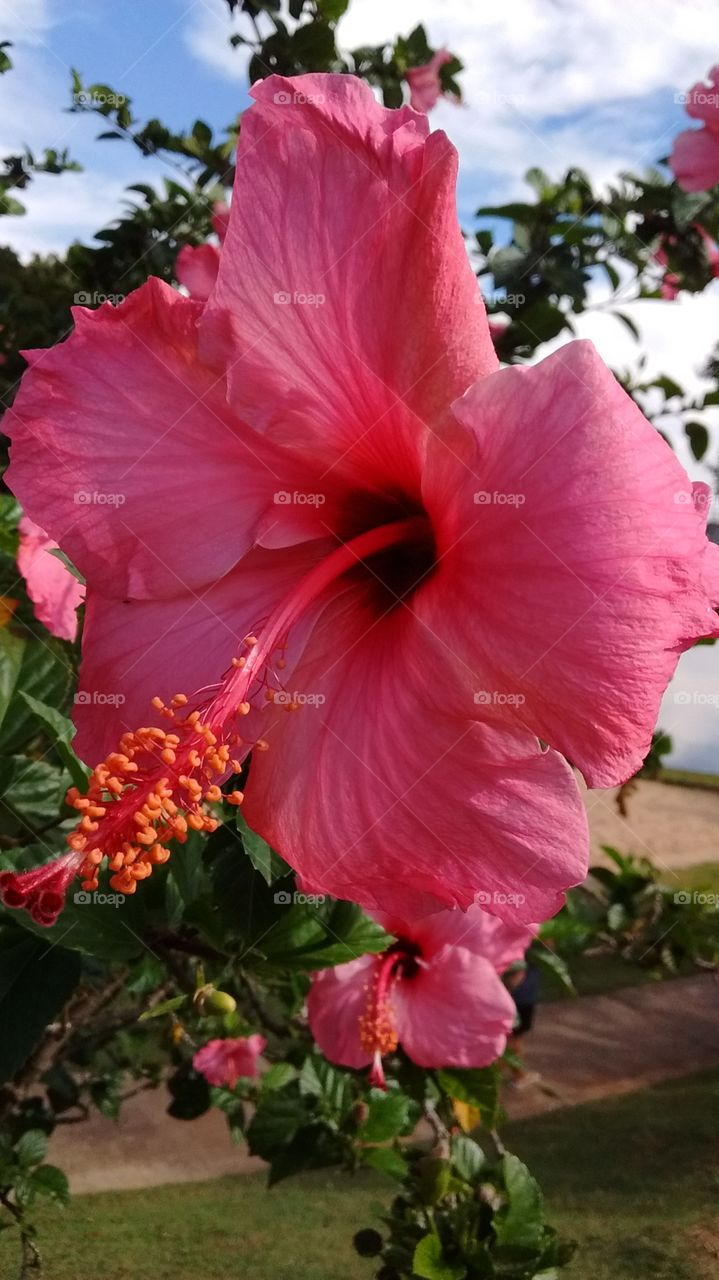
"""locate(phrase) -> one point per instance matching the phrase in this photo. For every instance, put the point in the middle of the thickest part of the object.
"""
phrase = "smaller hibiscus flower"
(222, 1062)
(196, 267)
(425, 85)
(54, 592)
(436, 992)
(695, 155)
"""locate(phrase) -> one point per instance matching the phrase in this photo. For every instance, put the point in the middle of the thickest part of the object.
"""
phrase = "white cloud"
(527, 63)
(207, 34)
(25, 21)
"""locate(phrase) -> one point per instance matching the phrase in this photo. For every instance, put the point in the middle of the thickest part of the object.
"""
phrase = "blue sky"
(547, 82)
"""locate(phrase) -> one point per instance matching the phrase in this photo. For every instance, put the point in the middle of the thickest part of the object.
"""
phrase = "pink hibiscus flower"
(436, 992)
(695, 156)
(54, 591)
(196, 267)
(222, 1062)
(425, 86)
(335, 503)
(671, 282)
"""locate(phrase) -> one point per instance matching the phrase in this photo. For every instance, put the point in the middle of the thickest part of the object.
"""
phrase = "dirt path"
(674, 826)
(586, 1048)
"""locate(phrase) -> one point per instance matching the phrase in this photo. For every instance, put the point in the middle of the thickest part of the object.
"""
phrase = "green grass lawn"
(634, 1179)
(685, 778)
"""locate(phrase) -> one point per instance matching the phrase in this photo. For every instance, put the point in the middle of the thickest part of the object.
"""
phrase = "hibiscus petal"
(337, 1000)
(357, 314)
(374, 797)
(454, 1013)
(135, 650)
(475, 930)
(125, 453)
(54, 591)
(695, 159)
(196, 268)
(587, 560)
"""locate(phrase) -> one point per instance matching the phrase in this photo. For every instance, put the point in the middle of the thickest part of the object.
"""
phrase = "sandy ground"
(674, 826)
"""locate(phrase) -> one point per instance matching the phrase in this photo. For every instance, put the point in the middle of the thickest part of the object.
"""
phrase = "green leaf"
(520, 1221)
(45, 674)
(11, 655)
(386, 1160)
(165, 1006)
(277, 1076)
(315, 938)
(31, 794)
(264, 859)
(553, 963)
(61, 731)
(387, 1117)
(479, 1086)
(332, 10)
(320, 1079)
(48, 1180)
(36, 980)
(275, 1122)
(468, 1157)
(430, 1262)
(31, 1148)
(698, 438)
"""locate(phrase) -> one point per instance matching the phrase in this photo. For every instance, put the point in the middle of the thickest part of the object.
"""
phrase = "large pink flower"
(323, 496)
(54, 591)
(436, 992)
(222, 1062)
(197, 267)
(425, 86)
(695, 156)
